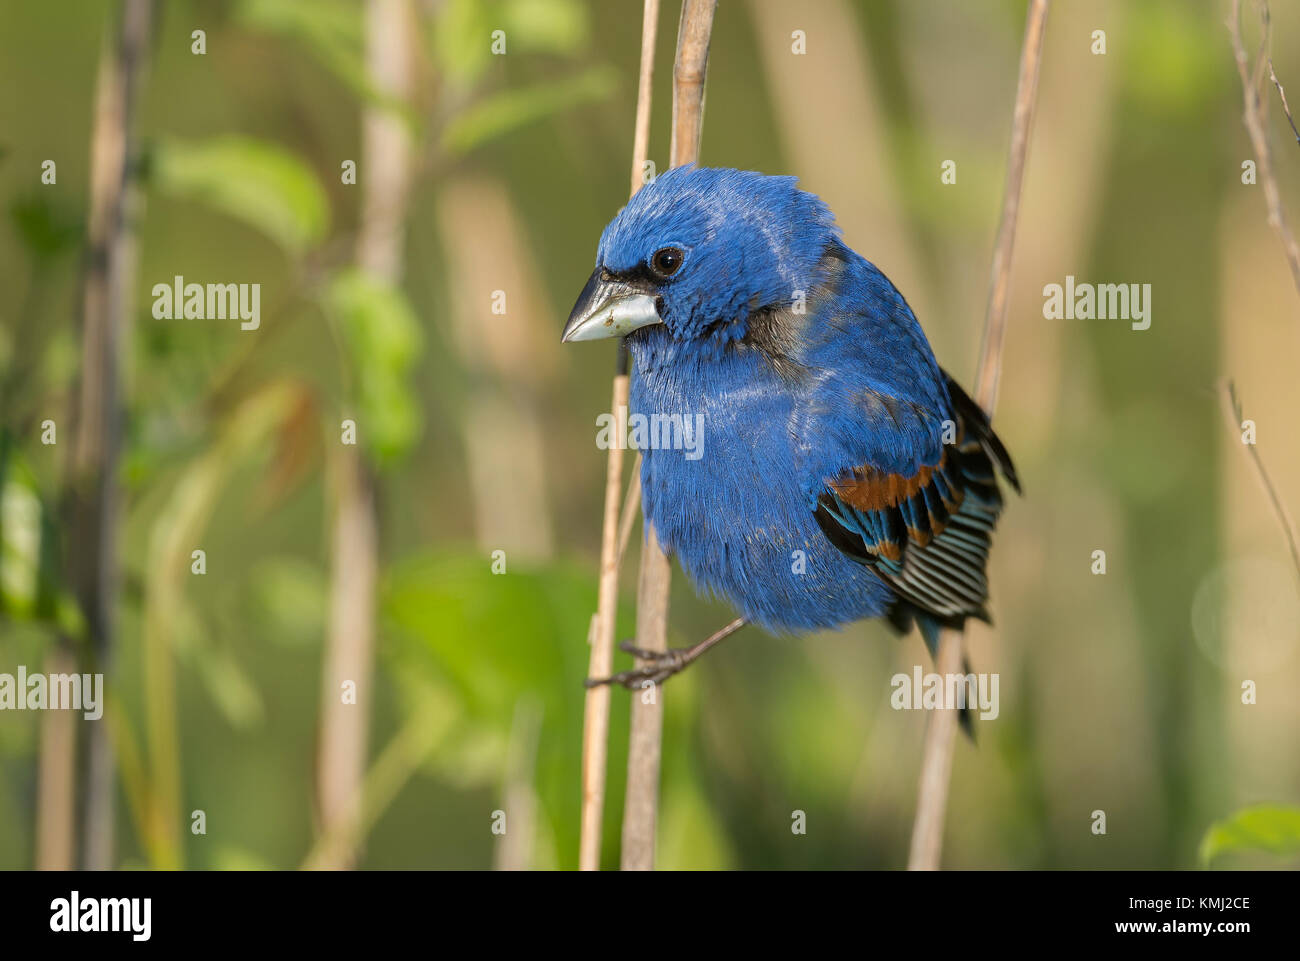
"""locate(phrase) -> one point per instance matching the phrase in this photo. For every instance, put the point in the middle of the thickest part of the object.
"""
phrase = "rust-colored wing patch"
(919, 505)
(928, 535)
(868, 489)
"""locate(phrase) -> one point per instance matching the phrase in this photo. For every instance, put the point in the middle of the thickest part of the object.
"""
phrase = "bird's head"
(699, 250)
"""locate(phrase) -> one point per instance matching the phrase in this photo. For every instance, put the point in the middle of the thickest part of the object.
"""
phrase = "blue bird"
(843, 474)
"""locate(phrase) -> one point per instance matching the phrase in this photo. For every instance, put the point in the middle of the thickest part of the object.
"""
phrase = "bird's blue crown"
(748, 241)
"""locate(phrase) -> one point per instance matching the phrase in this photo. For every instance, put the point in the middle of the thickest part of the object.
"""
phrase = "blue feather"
(825, 493)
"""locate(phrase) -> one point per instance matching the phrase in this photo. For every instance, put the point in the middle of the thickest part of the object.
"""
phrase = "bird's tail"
(962, 546)
(986, 448)
(902, 616)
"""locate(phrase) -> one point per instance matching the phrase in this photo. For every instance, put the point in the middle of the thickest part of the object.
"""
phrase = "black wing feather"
(928, 537)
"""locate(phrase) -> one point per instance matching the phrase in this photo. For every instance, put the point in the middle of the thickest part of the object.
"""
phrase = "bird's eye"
(666, 261)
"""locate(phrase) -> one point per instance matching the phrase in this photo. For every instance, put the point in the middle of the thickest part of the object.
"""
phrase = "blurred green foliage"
(381, 337)
(1272, 828)
(331, 29)
(501, 113)
(259, 183)
(1107, 703)
(30, 576)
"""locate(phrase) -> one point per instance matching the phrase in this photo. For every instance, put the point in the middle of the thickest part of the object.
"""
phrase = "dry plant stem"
(349, 652)
(595, 730)
(514, 849)
(645, 742)
(500, 425)
(1253, 115)
(693, 33)
(631, 506)
(56, 808)
(641, 805)
(995, 319)
(936, 759)
(645, 85)
(1286, 107)
(936, 766)
(95, 454)
(400, 759)
(1232, 411)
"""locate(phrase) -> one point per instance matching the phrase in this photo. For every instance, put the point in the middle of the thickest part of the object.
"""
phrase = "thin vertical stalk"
(56, 777)
(1254, 116)
(350, 645)
(645, 84)
(514, 850)
(641, 807)
(1232, 411)
(936, 761)
(487, 249)
(595, 730)
(92, 483)
(392, 768)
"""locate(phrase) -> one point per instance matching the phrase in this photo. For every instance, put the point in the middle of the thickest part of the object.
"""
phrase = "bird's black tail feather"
(959, 550)
(901, 616)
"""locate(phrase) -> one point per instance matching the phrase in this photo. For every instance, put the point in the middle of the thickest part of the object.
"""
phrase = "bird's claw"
(659, 666)
(643, 653)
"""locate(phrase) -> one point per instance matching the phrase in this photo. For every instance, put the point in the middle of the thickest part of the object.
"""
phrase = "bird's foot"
(658, 667)
(661, 665)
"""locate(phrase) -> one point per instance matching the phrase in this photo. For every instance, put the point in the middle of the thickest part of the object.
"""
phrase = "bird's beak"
(609, 308)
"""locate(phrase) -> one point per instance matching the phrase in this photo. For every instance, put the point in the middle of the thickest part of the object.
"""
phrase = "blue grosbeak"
(843, 473)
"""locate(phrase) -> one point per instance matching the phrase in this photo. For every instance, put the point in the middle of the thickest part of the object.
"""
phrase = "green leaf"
(20, 551)
(500, 113)
(454, 628)
(462, 33)
(228, 686)
(530, 627)
(691, 839)
(1271, 828)
(383, 340)
(31, 586)
(331, 29)
(45, 230)
(261, 184)
(462, 41)
(545, 26)
(229, 857)
(292, 596)
(178, 525)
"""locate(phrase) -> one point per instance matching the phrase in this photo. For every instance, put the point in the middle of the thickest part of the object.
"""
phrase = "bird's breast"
(722, 488)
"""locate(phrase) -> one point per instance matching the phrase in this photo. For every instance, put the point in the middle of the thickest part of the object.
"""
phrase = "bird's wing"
(927, 535)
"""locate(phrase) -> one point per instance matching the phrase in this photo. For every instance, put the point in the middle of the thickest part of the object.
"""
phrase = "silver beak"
(609, 308)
